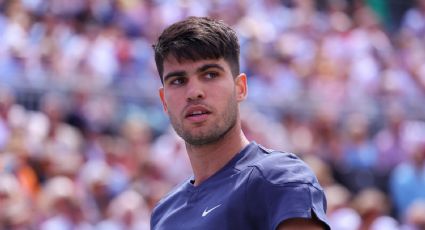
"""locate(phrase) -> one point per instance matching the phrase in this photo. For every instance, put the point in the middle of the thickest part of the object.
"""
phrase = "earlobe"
(241, 87)
(162, 97)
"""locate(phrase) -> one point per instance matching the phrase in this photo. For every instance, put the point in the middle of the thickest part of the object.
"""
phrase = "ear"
(162, 97)
(241, 87)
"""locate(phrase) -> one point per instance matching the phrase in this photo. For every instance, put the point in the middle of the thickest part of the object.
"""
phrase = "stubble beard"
(216, 132)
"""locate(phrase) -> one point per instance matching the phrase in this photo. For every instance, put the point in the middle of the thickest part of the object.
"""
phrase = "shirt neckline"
(189, 184)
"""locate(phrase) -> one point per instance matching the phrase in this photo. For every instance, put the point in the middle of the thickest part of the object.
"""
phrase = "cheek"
(172, 104)
(223, 96)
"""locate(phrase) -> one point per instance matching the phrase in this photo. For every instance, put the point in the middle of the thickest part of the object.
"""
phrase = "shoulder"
(288, 187)
(280, 168)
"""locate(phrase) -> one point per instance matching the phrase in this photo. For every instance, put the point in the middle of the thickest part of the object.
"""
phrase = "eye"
(211, 75)
(178, 81)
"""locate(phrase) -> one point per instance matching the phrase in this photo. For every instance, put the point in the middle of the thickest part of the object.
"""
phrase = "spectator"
(407, 179)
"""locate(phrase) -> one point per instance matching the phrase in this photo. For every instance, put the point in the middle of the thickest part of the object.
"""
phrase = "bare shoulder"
(301, 224)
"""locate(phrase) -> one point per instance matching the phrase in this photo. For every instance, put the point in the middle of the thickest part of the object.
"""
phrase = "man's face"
(201, 98)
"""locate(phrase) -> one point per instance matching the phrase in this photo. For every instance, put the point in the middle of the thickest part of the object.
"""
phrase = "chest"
(220, 205)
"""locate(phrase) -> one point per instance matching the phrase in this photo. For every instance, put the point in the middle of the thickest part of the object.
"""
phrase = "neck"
(206, 160)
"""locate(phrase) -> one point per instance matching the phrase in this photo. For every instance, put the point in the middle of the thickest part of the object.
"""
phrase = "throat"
(208, 159)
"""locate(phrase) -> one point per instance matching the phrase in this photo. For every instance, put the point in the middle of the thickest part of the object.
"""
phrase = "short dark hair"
(198, 38)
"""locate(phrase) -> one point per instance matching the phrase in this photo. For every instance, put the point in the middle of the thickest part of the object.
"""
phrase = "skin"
(300, 223)
(214, 138)
(217, 138)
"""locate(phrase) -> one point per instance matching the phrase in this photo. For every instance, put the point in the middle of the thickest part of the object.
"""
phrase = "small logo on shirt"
(207, 211)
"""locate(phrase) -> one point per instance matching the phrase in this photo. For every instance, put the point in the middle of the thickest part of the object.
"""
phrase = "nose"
(195, 91)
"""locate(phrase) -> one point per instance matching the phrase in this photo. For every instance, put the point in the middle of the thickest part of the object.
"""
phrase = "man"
(236, 184)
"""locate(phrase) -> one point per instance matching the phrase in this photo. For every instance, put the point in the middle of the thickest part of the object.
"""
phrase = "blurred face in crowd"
(201, 98)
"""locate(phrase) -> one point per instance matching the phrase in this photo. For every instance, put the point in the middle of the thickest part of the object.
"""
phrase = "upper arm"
(300, 224)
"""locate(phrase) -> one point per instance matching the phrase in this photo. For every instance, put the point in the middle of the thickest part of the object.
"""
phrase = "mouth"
(197, 113)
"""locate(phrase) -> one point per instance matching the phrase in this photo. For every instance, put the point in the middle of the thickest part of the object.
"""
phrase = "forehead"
(173, 64)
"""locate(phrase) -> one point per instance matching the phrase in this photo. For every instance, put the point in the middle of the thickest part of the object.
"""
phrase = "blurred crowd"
(84, 143)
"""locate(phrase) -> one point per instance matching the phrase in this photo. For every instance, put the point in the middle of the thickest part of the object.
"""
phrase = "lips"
(197, 113)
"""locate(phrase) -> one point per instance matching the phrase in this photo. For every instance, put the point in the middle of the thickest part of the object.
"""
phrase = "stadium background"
(84, 143)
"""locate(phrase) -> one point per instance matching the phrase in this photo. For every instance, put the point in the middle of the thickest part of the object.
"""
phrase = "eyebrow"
(208, 66)
(199, 70)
